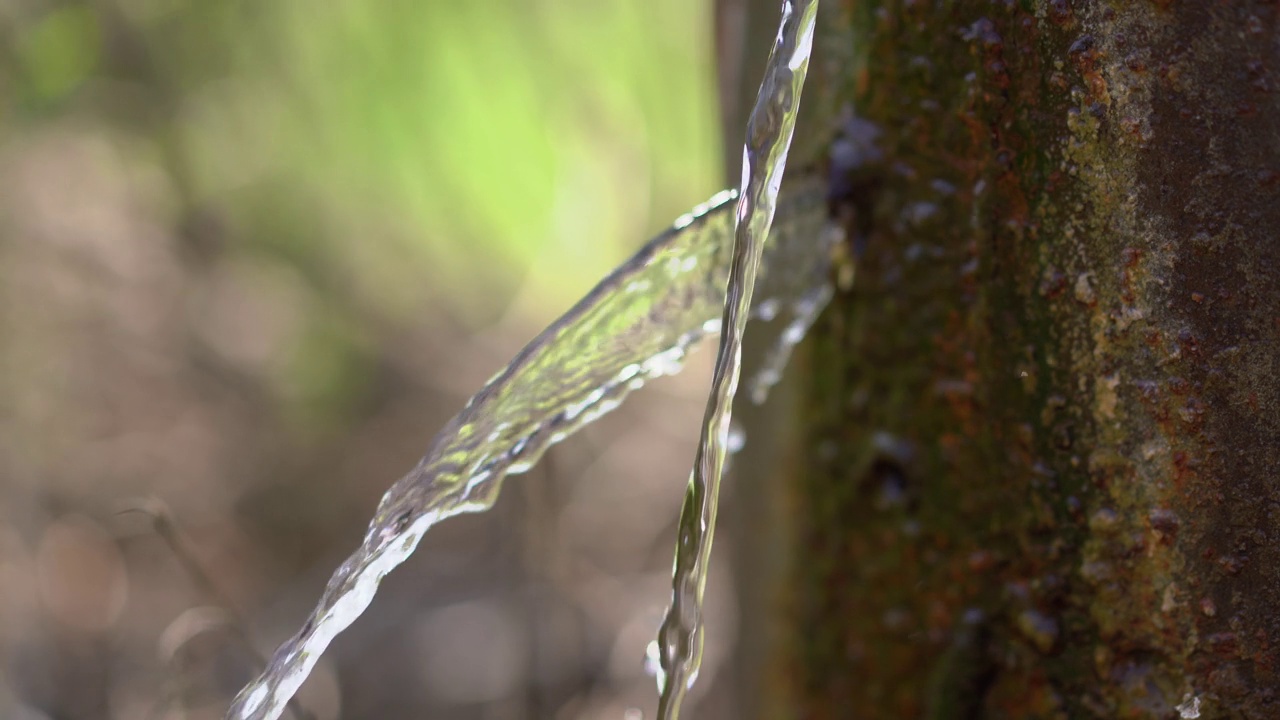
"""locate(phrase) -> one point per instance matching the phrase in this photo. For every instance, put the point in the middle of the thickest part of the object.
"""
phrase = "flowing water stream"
(637, 324)
(764, 159)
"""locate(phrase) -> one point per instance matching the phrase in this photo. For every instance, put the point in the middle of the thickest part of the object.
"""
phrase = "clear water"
(637, 324)
(769, 131)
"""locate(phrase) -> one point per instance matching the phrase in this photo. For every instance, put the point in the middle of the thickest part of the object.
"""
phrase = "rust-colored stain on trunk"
(1046, 421)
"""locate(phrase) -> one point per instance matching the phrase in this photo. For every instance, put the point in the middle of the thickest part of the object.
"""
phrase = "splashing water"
(637, 324)
(764, 159)
(1189, 709)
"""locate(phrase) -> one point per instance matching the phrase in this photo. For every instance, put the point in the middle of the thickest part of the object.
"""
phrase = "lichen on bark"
(1044, 427)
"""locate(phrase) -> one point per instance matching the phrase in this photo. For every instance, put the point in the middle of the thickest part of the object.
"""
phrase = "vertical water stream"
(769, 131)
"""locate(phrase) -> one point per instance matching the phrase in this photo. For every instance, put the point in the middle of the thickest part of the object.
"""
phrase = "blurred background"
(252, 256)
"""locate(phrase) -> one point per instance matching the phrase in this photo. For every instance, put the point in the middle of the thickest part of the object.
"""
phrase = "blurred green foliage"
(407, 161)
(252, 252)
(60, 50)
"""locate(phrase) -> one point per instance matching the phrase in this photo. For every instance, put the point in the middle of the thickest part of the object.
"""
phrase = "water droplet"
(942, 187)
(653, 664)
(737, 440)
(983, 32)
(918, 213)
(805, 312)
(1190, 707)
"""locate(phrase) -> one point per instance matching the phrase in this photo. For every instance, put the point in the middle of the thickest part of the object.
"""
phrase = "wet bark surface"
(1044, 475)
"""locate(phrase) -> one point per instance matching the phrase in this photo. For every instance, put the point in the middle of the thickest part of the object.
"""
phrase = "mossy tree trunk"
(1044, 426)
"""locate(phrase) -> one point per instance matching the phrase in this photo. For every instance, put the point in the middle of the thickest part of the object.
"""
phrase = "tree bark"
(1044, 427)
